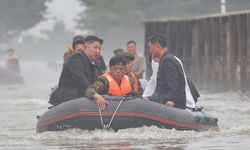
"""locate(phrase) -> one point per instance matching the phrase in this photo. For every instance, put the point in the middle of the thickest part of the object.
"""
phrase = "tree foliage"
(121, 15)
(18, 15)
(116, 15)
(113, 16)
(118, 21)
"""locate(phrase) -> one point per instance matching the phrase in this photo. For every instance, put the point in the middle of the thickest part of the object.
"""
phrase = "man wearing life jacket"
(129, 63)
(114, 82)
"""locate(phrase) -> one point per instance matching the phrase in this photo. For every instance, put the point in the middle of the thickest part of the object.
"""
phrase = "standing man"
(171, 79)
(139, 62)
(13, 61)
(79, 72)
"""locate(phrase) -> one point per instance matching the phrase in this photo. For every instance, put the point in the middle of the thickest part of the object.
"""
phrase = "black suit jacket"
(170, 82)
(77, 74)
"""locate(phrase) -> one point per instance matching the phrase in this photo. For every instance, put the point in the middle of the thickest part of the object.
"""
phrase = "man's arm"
(132, 84)
(151, 85)
(140, 89)
(100, 86)
(170, 72)
(95, 91)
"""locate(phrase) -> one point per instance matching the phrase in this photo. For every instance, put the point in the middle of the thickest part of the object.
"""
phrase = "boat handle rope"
(107, 126)
(100, 113)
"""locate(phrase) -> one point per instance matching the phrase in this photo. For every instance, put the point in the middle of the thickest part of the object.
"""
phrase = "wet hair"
(128, 57)
(131, 42)
(116, 60)
(78, 39)
(118, 51)
(158, 39)
(93, 38)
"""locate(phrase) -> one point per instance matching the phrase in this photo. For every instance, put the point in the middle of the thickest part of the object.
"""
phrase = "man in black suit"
(170, 88)
(79, 72)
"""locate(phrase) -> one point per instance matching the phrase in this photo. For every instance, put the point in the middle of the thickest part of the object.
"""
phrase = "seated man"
(171, 86)
(129, 63)
(113, 82)
(79, 72)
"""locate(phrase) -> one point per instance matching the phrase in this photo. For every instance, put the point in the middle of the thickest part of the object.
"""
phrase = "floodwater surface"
(19, 106)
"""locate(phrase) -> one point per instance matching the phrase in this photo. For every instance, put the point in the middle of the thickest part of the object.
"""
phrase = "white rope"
(108, 126)
(100, 113)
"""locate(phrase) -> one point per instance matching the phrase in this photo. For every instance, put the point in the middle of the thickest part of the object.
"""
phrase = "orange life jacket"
(115, 89)
(136, 84)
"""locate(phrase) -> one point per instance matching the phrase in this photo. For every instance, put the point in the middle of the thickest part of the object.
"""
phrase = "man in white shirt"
(151, 85)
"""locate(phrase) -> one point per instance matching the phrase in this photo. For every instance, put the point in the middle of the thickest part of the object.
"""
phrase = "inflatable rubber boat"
(10, 77)
(122, 113)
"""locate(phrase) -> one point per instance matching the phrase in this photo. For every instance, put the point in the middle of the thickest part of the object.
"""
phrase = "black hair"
(116, 60)
(128, 57)
(158, 39)
(118, 51)
(78, 39)
(93, 38)
(131, 42)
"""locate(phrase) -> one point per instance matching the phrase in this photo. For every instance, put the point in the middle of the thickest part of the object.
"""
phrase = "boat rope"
(100, 113)
(115, 112)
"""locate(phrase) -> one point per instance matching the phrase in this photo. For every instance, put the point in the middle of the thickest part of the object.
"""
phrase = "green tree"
(120, 20)
(18, 15)
(119, 16)
(110, 16)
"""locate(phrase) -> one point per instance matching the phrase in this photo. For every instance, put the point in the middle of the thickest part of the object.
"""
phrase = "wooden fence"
(215, 49)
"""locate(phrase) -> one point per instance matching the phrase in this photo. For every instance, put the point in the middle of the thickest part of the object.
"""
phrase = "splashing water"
(20, 105)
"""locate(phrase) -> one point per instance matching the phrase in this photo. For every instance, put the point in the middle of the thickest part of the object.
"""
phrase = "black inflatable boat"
(121, 113)
(10, 77)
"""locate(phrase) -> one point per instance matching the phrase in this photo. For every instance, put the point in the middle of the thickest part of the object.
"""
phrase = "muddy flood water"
(19, 106)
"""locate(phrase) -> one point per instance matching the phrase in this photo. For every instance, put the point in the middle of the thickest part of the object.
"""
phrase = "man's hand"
(101, 102)
(170, 103)
(140, 74)
(145, 98)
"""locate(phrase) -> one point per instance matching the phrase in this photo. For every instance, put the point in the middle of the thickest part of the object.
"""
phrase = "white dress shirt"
(151, 85)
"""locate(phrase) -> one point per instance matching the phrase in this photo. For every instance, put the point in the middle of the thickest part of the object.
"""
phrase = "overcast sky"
(65, 11)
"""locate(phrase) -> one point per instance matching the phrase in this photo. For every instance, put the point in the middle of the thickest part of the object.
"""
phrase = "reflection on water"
(20, 105)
